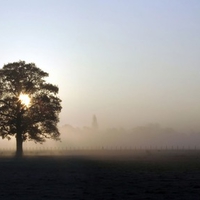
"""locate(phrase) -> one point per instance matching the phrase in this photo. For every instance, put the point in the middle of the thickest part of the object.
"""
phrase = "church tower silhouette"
(94, 123)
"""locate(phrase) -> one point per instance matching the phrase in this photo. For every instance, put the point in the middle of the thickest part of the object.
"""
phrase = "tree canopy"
(37, 120)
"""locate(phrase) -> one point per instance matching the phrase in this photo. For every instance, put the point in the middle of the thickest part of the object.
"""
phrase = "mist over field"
(150, 136)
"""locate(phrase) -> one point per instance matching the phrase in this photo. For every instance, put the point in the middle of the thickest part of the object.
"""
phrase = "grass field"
(145, 174)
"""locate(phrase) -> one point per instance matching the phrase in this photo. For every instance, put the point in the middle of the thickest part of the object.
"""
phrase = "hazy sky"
(130, 62)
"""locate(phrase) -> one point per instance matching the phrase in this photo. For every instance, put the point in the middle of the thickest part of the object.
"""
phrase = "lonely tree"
(29, 107)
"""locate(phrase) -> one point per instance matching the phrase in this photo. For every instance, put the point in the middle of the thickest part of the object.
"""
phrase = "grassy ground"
(102, 175)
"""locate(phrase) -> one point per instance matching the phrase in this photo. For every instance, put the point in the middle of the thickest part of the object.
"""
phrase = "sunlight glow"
(25, 99)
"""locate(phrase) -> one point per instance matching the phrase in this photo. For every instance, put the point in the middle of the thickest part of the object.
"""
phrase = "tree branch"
(7, 115)
(5, 102)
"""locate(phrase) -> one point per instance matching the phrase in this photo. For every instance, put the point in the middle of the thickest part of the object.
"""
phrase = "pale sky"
(129, 62)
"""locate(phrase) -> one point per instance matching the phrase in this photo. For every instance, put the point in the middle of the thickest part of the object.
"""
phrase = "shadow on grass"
(100, 176)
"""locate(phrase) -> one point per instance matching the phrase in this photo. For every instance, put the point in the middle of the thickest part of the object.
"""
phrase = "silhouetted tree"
(36, 120)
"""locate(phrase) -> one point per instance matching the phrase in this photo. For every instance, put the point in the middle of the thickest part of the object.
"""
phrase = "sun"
(25, 99)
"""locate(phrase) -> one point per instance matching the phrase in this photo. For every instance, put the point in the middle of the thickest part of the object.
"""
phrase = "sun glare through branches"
(25, 99)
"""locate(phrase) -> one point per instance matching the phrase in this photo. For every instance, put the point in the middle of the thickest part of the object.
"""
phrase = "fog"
(150, 136)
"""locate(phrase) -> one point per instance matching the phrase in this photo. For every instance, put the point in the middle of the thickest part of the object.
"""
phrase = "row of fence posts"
(136, 148)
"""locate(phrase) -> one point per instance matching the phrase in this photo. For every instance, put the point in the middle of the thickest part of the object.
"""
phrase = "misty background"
(149, 136)
(134, 64)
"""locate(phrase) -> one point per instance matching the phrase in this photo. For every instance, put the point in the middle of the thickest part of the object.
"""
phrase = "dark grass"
(102, 175)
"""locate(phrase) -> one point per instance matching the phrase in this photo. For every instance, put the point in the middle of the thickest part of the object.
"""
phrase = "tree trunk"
(19, 142)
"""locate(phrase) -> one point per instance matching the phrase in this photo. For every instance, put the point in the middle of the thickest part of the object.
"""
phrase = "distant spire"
(94, 123)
